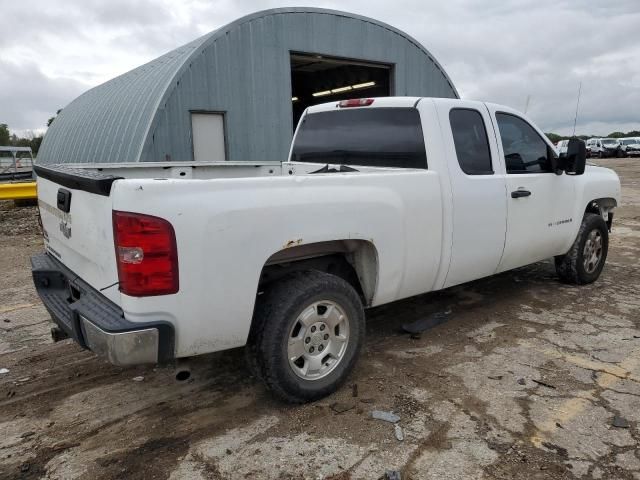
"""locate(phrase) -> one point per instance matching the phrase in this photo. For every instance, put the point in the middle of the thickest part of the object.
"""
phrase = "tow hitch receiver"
(57, 334)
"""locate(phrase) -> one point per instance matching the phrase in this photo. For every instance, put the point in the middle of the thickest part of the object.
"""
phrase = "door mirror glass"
(573, 163)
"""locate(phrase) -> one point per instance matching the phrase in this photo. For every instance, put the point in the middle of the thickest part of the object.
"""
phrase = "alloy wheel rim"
(318, 340)
(592, 252)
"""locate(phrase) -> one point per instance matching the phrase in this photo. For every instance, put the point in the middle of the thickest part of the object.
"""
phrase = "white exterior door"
(539, 203)
(208, 137)
(478, 190)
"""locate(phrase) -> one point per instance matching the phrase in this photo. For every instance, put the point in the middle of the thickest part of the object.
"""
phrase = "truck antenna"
(575, 119)
(526, 104)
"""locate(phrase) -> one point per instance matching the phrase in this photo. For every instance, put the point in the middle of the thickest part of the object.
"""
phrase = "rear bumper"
(95, 322)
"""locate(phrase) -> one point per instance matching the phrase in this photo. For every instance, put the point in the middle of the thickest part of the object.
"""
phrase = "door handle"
(520, 193)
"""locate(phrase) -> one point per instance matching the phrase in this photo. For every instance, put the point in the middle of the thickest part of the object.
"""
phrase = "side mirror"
(575, 160)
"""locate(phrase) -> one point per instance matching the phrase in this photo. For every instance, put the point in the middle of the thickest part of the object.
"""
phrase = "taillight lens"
(356, 102)
(146, 254)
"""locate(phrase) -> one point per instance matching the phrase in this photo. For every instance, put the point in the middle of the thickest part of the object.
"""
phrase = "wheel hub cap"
(592, 252)
(318, 340)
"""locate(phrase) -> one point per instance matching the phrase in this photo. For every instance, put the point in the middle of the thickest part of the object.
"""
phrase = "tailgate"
(75, 208)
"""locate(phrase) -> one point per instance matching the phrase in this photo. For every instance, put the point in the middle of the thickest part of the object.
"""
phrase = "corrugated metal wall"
(243, 70)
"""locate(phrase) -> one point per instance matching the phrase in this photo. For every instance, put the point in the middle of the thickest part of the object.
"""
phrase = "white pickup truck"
(381, 199)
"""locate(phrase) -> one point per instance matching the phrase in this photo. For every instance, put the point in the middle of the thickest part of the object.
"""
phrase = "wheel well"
(355, 261)
(604, 207)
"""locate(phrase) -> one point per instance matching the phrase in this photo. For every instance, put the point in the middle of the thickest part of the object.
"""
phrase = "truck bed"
(230, 220)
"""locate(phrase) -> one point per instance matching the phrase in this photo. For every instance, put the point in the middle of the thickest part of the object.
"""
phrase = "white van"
(561, 147)
(604, 147)
(630, 146)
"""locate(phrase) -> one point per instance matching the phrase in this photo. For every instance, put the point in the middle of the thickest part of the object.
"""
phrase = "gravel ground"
(529, 378)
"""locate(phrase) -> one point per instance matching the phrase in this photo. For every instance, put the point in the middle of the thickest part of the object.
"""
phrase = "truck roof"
(9, 148)
(389, 102)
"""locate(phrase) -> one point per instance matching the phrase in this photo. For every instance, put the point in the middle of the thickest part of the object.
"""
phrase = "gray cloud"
(28, 98)
(500, 52)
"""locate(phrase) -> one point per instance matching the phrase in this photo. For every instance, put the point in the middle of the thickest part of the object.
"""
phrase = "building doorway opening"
(319, 79)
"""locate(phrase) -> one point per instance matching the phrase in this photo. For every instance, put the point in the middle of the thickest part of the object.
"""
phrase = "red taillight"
(356, 102)
(146, 254)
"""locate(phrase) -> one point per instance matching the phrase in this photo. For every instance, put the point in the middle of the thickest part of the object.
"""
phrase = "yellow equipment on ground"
(18, 191)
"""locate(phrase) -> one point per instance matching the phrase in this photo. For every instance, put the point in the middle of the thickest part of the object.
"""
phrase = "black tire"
(276, 314)
(571, 266)
(601, 154)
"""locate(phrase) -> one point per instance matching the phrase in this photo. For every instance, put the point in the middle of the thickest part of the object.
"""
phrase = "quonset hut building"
(238, 92)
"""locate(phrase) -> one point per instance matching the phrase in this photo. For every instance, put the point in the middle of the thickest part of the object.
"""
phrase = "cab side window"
(524, 150)
(470, 139)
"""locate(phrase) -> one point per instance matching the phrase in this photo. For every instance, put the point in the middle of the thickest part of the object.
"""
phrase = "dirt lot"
(528, 379)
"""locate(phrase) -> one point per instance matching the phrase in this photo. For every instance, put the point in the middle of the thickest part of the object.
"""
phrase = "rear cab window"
(471, 142)
(371, 137)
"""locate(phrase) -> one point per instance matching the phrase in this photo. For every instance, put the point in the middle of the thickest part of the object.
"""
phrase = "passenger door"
(478, 190)
(540, 203)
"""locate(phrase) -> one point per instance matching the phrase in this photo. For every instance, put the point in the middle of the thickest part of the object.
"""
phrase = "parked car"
(380, 199)
(630, 146)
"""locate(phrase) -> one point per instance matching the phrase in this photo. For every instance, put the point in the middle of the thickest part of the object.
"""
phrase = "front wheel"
(584, 262)
(307, 332)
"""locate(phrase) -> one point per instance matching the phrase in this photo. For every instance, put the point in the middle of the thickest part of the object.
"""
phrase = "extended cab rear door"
(477, 188)
(540, 204)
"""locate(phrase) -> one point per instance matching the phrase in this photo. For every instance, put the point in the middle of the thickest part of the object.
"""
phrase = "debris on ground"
(563, 452)
(495, 377)
(138, 379)
(338, 407)
(4, 370)
(522, 381)
(544, 384)
(399, 433)
(620, 422)
(386, 416)
(427, 322)
(354, 390)
(392, 475)
(64, 446)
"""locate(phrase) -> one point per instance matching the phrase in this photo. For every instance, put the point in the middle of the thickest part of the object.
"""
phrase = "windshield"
(628, 141)
(609, 141)
(375, 137)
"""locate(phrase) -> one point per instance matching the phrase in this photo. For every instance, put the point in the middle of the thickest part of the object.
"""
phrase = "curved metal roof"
(111, 122)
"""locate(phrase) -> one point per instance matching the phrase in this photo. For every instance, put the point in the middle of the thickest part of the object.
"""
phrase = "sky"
(501, 51)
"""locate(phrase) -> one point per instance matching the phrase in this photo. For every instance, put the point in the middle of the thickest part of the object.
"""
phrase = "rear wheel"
(585, 261)
(307, 332)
